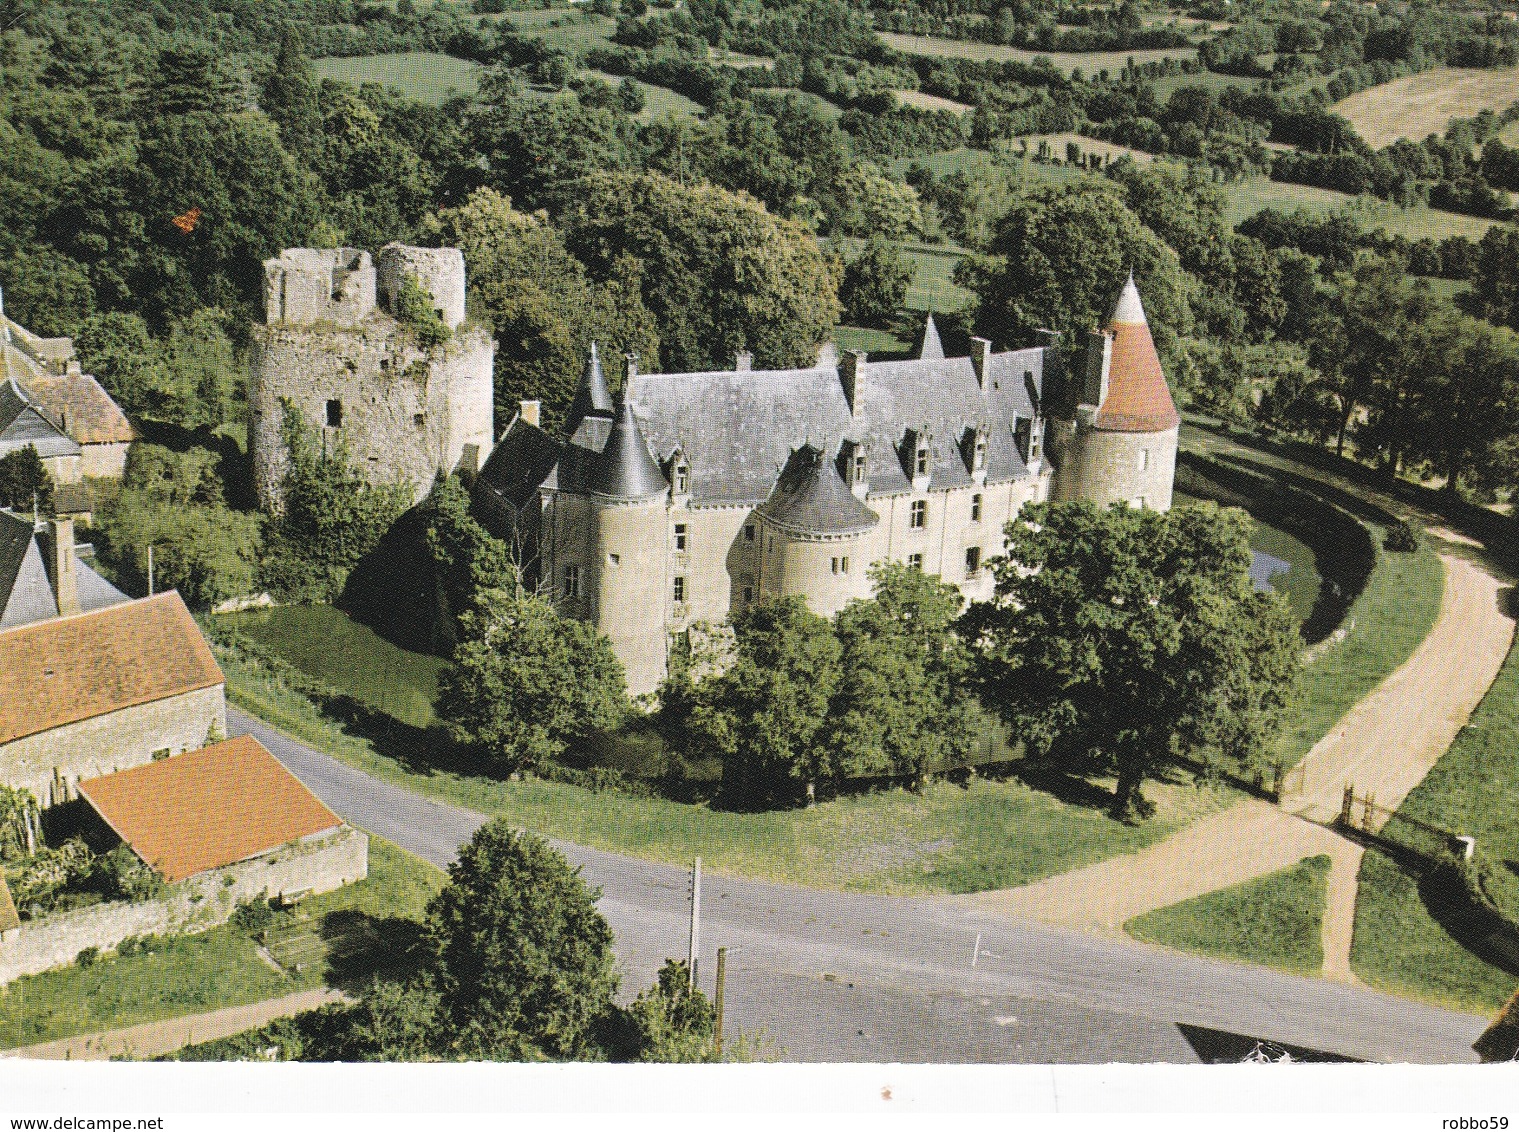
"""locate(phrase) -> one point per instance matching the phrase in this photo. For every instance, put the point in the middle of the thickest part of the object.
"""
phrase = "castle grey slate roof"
(22, 425)
(519, 462)
(738, 429)
(16, 547)
(623, 470)
(592, 398)
(811, 499)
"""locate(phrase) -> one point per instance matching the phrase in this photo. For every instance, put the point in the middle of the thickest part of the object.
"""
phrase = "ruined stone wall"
(115, 741)
(405, 414)
(308, 285)
(439, 271)
(317, 864)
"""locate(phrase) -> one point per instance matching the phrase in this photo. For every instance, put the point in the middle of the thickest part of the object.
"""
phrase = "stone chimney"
(851, 373)
(58, 541)
(632, 367)
(981, 358)
(743, 361)
(1099, 363)
(528, 412)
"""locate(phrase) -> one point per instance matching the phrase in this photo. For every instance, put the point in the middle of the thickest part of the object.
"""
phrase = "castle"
(332, 349)
(704, 492)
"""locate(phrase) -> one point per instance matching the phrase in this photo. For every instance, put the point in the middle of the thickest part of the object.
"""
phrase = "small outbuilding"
(230, 806)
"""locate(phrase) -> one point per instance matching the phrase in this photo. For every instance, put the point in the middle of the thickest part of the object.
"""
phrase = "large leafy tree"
(1056, 259)
(525, 969)
(904, 705)
(765, 715)
(527, 682)
(544, 309)
(875, 284)
(719, 273)
(24, 481)
(1122, 640)
(1495, 289)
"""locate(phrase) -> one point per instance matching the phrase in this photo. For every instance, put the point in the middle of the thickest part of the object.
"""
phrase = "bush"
(122, 875)
(1401, 538)
(254, 915)
(87, 957)
(413, 308)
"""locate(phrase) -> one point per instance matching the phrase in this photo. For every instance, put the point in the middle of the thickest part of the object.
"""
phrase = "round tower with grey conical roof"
(1119, 445)
(592, 399)
(814, 533)
(636, 596)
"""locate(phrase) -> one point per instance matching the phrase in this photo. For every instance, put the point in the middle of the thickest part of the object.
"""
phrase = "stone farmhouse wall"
(103, 461)
(317, 864)
(50, 763)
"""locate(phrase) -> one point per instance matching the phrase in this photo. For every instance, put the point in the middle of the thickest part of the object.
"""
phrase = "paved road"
(828, 976)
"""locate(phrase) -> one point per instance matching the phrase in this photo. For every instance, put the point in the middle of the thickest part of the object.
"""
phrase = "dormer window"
(680, 475)
(978, 451)
(920, 460)
(857, 466)
(852, 463)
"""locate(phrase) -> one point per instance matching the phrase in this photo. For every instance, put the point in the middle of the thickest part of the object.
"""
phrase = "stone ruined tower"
(331, 349)
(1119, 446)
(629, 500)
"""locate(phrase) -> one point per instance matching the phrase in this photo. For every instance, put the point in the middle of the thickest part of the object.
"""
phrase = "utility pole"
(722, 971)
(695, 940)
(150, 569)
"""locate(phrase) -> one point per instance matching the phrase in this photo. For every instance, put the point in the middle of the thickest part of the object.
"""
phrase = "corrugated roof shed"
(208, 808)
(67, 669)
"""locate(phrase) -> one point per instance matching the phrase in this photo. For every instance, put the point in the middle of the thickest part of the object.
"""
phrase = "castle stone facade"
(702, 493)
(331, 349)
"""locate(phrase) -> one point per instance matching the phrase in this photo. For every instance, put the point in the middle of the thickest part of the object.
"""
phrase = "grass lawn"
(933, 286)
(1087, 62)
(1473, 789)
(1416, 106)
(949, 839)
(1393, 614)
(1167, 85)
(325, 643)
(571, 30)
(1275, 920)
(427, 76)
(874, 342)
(217, 968)
(1108, 151)
(1248, 197)
(922, 101)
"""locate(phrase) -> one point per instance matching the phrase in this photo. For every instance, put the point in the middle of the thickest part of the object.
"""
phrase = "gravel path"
(1385, 745)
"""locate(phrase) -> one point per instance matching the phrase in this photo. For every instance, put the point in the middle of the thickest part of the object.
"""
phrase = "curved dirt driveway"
(1385, 745)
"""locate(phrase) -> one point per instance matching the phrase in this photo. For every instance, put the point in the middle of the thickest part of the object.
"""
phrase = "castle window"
(1140, 502)
(334, 413)
(972, 561)
(748, 592)
(748, 532)
(679, 590)
(682, 479)
(975, 509)
(919, 514)
(915, 561)
(841, 565)
(859, 465)
(419, 419)
(680, 538)
(572, 581)
(978, 459)
(1144, 459)
(920, 466)
(1036, 434)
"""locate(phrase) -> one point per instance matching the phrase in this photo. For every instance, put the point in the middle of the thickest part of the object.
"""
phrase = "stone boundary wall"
(318, 864)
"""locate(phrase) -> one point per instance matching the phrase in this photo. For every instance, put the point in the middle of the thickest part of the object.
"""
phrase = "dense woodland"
(152, 155)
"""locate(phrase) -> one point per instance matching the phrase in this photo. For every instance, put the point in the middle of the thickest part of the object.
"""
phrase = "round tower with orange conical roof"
(1119, 446)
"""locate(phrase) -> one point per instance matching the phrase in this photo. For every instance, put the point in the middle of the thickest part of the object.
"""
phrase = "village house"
(223, 825)
(44, 573)
(95, 692)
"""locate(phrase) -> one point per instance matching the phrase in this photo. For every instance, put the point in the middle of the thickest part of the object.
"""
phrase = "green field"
(1167, 85)
(1246, 198)
(1473, 789)
(1089, 63)
(325, 643)
(572, 30)
(873, 342)
(1275, 920)
(658, 102)
(426, 76)
(223, 967)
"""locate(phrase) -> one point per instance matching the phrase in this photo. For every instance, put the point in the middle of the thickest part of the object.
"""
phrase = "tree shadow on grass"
(361, 946)
(417, 750)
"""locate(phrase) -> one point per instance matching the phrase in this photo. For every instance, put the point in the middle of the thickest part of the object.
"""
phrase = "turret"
(636, 591)
(592, 398)
(931, 347)
(1121, 445)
